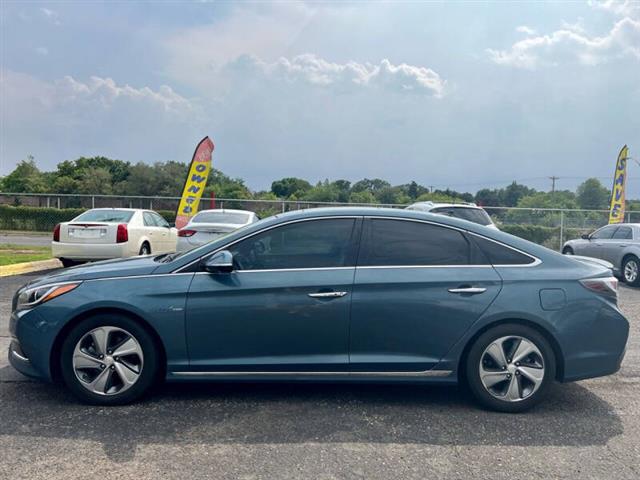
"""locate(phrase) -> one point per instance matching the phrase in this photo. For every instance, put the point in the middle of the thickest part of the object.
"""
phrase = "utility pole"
(553, 183)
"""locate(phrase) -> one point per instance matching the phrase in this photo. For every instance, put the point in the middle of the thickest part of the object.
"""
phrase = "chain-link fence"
(41, 212)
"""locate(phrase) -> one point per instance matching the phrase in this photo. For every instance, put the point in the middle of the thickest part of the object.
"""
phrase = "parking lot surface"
(589, 429)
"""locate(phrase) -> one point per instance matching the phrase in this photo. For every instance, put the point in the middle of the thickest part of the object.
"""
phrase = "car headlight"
(38, 295)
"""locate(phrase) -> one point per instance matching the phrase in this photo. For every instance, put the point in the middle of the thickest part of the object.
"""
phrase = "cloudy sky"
(457, 94)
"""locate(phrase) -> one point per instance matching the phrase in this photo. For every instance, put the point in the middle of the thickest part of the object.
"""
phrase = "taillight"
(56, 233)
(122, 235)
(606, 286)
(186, 233)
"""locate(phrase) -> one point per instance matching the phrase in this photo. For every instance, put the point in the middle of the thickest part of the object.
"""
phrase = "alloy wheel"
(512, 368)
(107, 360)
(631, 271)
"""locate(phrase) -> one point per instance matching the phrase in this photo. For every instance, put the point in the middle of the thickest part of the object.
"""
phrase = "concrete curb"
(27, 267)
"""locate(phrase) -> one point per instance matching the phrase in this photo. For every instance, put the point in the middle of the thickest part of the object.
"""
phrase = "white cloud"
(42, 51)
(526, 30)
(569, 45)
(51, 15)
(626, 8)
(312, 70)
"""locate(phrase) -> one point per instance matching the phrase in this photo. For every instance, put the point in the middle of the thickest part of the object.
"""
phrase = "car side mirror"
(220, 262)
(585, 236)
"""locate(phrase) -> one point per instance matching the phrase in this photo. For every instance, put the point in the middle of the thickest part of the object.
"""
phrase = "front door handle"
(468, 290)
(327, 294)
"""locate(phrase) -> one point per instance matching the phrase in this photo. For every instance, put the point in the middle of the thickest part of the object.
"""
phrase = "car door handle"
(327, 294)
(468, 290)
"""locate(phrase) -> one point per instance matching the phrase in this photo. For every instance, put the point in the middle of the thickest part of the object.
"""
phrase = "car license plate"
(88, 233)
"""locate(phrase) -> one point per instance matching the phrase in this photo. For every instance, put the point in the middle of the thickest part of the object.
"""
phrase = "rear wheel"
(109, 360)
(145, 249)
(630, 271)
(510, 367)
(567, 251)
(66, 263)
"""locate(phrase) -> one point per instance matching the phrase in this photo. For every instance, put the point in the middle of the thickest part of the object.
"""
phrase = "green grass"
(10, 253)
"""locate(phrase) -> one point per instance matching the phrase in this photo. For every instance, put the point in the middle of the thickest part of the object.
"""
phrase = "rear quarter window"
(499, 254)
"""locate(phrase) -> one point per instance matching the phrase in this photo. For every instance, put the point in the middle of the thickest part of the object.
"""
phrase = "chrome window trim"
(266, 229)
(424, 373)
(536, 260)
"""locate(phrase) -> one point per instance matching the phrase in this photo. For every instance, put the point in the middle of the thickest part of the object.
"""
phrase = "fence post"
(283, 206)
(628, 217)
(93, 201)
(58, 199)
(561, 229)
(151, 204)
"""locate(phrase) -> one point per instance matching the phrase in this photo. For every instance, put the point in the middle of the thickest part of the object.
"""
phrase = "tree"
(25, 178)
(514, 192)
(592, 195)
(290, 186)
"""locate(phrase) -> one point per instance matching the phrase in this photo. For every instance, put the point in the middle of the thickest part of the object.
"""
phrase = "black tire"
(145, 249)
(474, 358)
(567, 251)
(66, 263)
(148, 374)
(626, 262)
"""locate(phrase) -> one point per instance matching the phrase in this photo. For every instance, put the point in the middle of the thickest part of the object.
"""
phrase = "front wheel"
(567, 251)
(510, 367)
(109, 360)
(630, 271)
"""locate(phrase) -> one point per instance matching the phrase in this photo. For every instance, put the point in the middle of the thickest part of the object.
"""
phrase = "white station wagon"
(104, 233)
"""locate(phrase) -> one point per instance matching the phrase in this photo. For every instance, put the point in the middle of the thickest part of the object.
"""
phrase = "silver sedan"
(208, 225)
(618, 244)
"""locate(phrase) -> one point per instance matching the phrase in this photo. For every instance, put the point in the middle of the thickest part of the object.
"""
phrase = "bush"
(35, 219)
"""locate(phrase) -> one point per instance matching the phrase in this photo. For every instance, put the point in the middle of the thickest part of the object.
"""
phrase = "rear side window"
(308, 244)
(149, 221)
(160, 221)
(498, 254)
(117, 216)
(623, 233)
(401, 243)
(475, 215)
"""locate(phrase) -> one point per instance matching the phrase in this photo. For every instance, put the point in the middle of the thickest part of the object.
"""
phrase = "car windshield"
(120, 216)
(221, 217)
(475, 215)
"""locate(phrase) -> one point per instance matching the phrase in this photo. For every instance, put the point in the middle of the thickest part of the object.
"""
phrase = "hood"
(122, 267)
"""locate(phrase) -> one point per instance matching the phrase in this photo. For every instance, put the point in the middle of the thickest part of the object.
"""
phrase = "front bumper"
(19, 360)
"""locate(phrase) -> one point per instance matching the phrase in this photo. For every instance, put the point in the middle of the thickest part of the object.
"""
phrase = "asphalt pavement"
(30, 239)
(589, 429)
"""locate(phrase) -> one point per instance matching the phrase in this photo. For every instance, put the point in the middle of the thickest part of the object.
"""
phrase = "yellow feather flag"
(195, 182)
(616, 211)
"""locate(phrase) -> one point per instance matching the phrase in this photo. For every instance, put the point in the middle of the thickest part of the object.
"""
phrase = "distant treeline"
(102, 176)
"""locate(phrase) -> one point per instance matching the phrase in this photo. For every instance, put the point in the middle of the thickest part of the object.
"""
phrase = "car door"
(284, 308)
(418, 287)
(167, 236)
(597, 240)
(612, 249)
(152, 232)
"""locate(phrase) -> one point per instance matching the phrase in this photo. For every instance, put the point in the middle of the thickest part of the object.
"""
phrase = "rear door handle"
(327, 294)
(468, 290)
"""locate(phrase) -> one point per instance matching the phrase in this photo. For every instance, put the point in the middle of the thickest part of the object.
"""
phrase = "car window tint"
(160, 222)
(498, 254)
(623, 233)
(308, 244)
(400, 242)
(118, 216)
(604, 233)
(148, 219)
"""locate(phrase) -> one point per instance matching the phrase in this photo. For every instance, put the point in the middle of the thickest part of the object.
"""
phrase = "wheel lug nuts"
(102, 365)
(112, 367)
(101, 356)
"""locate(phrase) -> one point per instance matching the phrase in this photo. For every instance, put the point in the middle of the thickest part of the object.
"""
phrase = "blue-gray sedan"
(351, 294)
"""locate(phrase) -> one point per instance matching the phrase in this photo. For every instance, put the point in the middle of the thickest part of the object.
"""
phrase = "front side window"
(604, 233)
(321, 243)
(403, 243)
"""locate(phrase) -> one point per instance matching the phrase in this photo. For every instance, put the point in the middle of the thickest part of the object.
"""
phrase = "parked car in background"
(465, 211)
(351, 294)
(618, 244)
(104, 233)
(208, 225)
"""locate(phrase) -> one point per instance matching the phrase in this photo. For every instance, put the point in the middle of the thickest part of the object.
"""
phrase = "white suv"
(465, 211)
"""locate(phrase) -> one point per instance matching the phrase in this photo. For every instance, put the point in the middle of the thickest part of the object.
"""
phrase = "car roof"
(430, 204)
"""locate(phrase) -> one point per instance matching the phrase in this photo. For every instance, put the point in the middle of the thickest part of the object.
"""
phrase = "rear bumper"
(88, 251)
